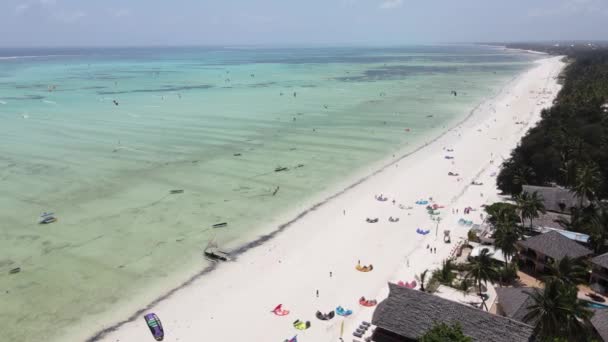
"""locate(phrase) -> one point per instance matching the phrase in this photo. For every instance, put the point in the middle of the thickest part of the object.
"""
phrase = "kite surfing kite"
(364, 268)
(407, 284)
(367, 302)
(301, 325)
(343, 312)
(325, 317)
(156, 328)
(278, 310)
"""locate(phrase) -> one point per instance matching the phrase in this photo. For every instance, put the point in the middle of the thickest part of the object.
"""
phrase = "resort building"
(513, 302)
(555, 199)
(599, 274)
(599, 321)
(539, 251)
(408, 314)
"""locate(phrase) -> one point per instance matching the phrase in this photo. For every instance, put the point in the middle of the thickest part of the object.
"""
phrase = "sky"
(296, 22)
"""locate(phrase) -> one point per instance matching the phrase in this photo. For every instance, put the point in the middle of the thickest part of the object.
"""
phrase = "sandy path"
(234, 302)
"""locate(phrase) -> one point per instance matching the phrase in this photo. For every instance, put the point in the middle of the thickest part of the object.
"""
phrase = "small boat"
(213, 253)
(279, 169)
(216, 255)
(176, 191)
(15, 270)
(237, 154)
(220, 225)
(47, 218)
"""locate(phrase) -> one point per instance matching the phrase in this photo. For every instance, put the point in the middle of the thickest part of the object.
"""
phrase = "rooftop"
(411, 313)
(555, 199)
(548, 220)
(514, 301)
(601, 260)
(600, 323)
(494, 252)
(555, 245)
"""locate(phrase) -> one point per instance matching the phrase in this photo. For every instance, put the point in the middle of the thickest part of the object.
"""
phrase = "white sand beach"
(234, 302)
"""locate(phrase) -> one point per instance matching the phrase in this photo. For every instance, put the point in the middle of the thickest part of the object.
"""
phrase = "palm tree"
(505, 238)
(575, 221)
(421, 278)
(521, 201)
(570, 271)
(587, 182)
(598, 229)
(556, 312)
(523, 175)
(445, 275)
(530, 205)
(481, 269)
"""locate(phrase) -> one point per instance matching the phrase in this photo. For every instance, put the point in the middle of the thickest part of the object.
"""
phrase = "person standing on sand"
(330, 274)
(317, 293)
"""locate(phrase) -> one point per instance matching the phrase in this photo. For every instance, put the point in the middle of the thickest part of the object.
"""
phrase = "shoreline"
(275, 234)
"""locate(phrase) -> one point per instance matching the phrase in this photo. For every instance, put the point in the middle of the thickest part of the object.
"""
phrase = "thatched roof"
(549, 220)
(555, 198)
(601, 260)
(600, 323)
(411, 313)
(514, 301)
(555, 245)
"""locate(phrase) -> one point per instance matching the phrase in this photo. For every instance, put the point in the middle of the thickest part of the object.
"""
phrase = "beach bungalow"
(599, 274)
(408, 314)
(599, 322)
(555, 199)
(513, 302)
(539, 251)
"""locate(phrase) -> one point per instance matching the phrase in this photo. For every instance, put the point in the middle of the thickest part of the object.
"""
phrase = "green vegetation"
(567, 271)
(569, 146)
(445, 333)
(481, 269)
(530, 206)
(557, 313)
(422, 279)
(445, 275)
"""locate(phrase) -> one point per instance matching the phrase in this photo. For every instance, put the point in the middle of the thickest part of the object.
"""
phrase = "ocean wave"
(30, 57)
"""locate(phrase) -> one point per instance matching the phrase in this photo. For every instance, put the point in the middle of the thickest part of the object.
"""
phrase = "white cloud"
(69, 16)
(572, 7)
(387, 4)
(121, 12)
(22, 8)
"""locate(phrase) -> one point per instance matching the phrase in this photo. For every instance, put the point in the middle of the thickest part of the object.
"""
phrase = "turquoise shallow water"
(215, 122)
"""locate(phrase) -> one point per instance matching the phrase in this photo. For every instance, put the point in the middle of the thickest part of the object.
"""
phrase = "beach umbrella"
(342, 329)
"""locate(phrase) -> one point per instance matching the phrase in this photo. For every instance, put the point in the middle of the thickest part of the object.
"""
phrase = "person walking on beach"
(330, 274)
(317, 293)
